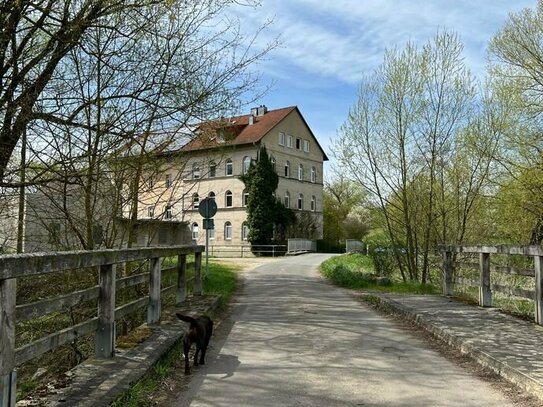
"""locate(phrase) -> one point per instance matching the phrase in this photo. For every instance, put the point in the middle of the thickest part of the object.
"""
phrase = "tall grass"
(357, 271)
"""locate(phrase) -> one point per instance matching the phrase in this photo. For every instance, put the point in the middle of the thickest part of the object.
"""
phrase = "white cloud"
(345, 39)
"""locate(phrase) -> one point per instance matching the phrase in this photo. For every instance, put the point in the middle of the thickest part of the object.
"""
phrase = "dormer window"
(220, 136)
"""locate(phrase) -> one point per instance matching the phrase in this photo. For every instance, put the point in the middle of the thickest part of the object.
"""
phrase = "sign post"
(208, 209)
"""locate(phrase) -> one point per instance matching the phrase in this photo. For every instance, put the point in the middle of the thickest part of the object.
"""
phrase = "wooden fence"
(103, 324)
(484, 282)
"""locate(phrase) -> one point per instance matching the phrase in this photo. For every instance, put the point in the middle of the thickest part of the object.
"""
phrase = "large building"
(222, 150)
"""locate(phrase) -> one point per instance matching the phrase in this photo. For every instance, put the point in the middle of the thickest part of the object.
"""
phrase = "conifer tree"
(263, 210)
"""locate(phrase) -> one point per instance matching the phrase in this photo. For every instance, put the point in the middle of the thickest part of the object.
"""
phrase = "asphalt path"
(293, 339)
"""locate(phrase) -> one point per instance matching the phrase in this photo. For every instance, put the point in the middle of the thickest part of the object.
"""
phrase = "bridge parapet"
(452, 263)
(103, 324)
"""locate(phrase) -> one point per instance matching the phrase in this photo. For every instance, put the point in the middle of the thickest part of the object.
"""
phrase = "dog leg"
(186, 348)
(196, 355)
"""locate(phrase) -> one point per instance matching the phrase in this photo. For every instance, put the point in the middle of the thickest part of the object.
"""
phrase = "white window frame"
(298, 143)
(211, 233)
(227, 230)
(229, 168)
(228, 194)
(313, 174)
(300, 172)
(211, 195)
(194, 231)
(306, 146)
(246, 164)
(151, 212)
(281, 138)
(196, 171)
(287, 200)
(300, 202)
(244, 198)
(195, 201)
(289, 141)
(212, 169)
(313, 203)
(244, 231)
(287, 169)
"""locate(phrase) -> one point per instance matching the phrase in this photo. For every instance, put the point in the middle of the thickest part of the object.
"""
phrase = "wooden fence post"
(538, 300)
(153, 309)
(8, 374)
(485, 294)
(105, 334)
(447, 273)
(197, 287)
(181, 294)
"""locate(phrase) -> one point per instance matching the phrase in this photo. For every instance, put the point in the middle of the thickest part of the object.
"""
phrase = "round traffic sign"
(207, 208)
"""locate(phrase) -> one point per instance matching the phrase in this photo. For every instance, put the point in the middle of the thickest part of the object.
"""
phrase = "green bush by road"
(357, 271)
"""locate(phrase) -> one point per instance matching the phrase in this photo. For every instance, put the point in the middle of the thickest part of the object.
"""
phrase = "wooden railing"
(103, 324)
(484, 282)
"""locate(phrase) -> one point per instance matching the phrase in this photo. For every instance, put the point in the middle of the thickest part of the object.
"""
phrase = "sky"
(328, 46)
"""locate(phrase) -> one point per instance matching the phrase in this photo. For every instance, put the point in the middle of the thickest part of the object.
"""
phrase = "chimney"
(262, 110)
(254, 111)
(252, 119)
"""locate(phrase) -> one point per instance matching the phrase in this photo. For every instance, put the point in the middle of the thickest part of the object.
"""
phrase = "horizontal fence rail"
(103, 323)
(246, 250)
(451, 265)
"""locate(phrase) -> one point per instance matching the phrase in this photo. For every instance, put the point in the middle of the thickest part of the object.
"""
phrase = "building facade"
(218, 154)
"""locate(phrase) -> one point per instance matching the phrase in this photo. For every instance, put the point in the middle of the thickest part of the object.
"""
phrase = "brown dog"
(199, 332)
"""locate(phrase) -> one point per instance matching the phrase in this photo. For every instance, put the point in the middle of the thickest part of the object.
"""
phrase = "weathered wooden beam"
(132, 280)
(105, 333)
(447, 274)
(28, 264)
(538, 297)
(7, 342)
(517, 292)
(500, 249)
(47, 343)
(37, 309)
(485, 294)
(130, 307)
(153, 309)
(197, 287)
(181, 294)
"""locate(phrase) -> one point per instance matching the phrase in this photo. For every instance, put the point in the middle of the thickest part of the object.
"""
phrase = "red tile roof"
(238, 131)
(238, 127)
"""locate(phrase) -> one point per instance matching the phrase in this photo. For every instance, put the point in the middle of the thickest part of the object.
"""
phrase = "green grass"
(356, 271)
(221, 280)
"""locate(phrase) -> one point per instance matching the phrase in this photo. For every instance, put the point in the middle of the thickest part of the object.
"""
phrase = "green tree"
(264, 211)
(399, 139)
(344, 214)
(516, 72)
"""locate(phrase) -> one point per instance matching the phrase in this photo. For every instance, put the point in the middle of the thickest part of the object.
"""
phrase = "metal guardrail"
(247, 250)
(301, 245)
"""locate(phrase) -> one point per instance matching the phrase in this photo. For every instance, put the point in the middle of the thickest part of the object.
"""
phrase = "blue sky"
(327, 47)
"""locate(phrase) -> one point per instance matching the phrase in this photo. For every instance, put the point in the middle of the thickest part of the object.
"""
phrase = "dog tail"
(186, 318)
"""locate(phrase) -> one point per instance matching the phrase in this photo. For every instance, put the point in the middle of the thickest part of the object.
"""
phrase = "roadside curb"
(98, 382)
(449, 338)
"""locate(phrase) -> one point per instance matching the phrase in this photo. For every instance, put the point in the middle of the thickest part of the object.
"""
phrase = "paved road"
(295, 340)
